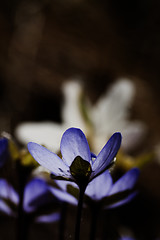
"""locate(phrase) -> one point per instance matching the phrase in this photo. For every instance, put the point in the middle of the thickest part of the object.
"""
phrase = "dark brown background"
(44, 43)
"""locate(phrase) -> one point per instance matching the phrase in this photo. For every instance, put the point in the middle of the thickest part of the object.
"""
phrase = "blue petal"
(63, 184)
(8, 192)
(126, 182)
(122, 202)
(5, 208)
(36, 194)
(107, 154)
(99, 187)
(48, 160)
(126, 238)
(50, 218)
(3, 150)
(73, 144)
(93, 156)
(62, 193)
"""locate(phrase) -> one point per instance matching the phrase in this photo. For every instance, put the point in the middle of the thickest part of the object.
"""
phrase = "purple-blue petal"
(36, 194)
(50, 218)
(126, 238)
(8, 192)
(122, 202)
(107, 154)
(4, 208)
(93, 155)
(48, 160)
(3, 151)
(126, 182)
(99, 187)
(62, 193)
(63, 184)
(73, 144)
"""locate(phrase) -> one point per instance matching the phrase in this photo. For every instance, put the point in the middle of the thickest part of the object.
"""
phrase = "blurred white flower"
(50, 133)
(111, 114)
(99, 121)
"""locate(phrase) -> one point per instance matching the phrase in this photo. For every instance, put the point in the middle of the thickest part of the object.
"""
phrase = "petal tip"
(31, 146)
(118, 135)
(135, 171)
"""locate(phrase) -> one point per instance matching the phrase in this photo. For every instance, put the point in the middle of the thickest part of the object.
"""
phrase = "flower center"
(81, 170)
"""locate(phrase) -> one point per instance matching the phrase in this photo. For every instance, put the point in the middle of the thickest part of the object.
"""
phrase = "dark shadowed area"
(44, 44)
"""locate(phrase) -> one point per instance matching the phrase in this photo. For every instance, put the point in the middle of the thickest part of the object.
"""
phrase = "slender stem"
(79, 213)
(94, 218)
(62, 221)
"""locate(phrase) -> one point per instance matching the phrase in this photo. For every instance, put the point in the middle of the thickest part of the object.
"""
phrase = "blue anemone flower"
(36, 195)
(77, 161)
(3, 150)
(7, 195)
(101, 190)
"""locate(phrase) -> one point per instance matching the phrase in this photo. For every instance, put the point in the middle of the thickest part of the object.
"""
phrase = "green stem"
(79, 212)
